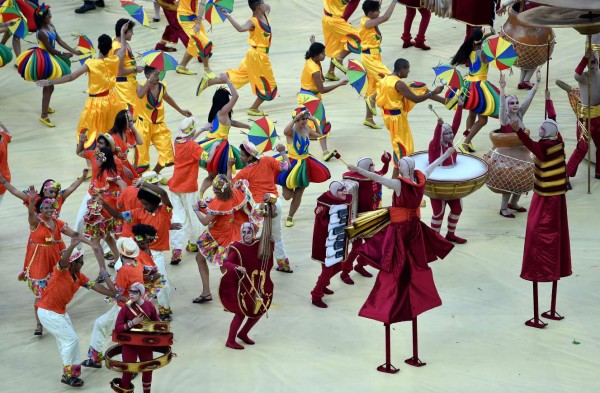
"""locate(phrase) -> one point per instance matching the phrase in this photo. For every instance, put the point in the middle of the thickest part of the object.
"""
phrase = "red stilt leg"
(415, 361)
(387, 367)
(535, 321)
(552, 314)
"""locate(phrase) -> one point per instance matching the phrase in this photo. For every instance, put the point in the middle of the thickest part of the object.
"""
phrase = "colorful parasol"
(5, 55)
(12, 14)
(313, 104)
(85, 46)
(213, 13)
(449, 75)
(499, 53)
(137, 12)
(357, 76)
(159, 60)
(263, 134)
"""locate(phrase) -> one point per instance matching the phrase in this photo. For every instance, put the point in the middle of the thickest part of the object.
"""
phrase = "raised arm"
(393, 184)
(503, 112)
(579, 71)
(457, 118)
(383, 18)
(427, 172)
(248, 26)
(10, 188)
(234, 95)
(529, 143)
(550, 106)
(153, 188)
(525, 105)
(138, 138)
(31, 216)
(75, 184)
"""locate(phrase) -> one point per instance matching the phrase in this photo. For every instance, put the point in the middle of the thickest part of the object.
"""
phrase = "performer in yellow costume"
(103, 103)
(341, 38)
(395, 99)
(256, 66)
(190, 13)
(126, 81)
(151, 122)
(371, 38)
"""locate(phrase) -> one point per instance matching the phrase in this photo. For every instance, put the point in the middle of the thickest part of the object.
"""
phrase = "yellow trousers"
(255, 69)
(157, 135)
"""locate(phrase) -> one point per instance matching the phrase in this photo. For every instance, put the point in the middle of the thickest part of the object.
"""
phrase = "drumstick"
(431, 108)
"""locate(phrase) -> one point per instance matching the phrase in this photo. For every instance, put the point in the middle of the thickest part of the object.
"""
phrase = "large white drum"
(453, 182)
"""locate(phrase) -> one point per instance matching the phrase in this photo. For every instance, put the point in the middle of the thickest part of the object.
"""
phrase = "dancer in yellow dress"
(395, 98)
(126, 81)
(103, 103)
(151, 122)
(190, 13)
(256, 67)
(371, 38)
(341, 38)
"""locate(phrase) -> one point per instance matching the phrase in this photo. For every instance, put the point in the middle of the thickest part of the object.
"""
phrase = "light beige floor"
(475, 342)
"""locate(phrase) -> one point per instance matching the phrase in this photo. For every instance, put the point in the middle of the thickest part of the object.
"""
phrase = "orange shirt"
(160, 219)
(145, 260)
(261, 176)
(61, 289)
(185, 173)
(127, 200)
(5, 139)
(127, 276)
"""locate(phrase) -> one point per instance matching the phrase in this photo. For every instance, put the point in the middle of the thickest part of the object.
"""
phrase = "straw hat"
(78, 252)
(151, 177)
(128, 247)
(251, 149)
(188, 126)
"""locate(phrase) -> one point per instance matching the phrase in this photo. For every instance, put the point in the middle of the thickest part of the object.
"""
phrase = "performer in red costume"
(173, 31)
(330, 244)
(547, 251)
(369, 199)
(402, 250)
(246, 288)
(132, 314)
(411, 10)
(440, 143)
(351, 6)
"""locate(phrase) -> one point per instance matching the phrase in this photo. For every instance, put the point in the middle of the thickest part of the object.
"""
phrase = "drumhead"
(467, 167)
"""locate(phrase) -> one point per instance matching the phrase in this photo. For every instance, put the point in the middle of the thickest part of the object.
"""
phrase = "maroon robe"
(369, 191)
(474, 12)
(404, 287)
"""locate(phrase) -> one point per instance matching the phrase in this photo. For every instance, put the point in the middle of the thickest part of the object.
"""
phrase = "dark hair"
(109, 164)
(144, 230)
(104, 44)
(148, 197)
(370, 6)
(253, 4)
(250, 156)
(148, 70)
(38, 204)
(315, 49)
(41, 192)
(106, 141)
(40, 20)
(400, 64)
(120, 24)
(120, 123)
(220, 99)
(467, 47)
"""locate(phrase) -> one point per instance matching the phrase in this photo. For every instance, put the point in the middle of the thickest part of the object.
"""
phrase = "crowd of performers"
(240, 228)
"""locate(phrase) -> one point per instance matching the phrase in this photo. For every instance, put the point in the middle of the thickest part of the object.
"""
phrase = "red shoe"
(455, 239)
(328, 291)
(408, 44)
(319, 303)
(163, 47)
(362, 271)
(346, 279)
(245, 339)
(507, 215)
(233, 345)
(525, 86)
(421, 45)
(516, 208)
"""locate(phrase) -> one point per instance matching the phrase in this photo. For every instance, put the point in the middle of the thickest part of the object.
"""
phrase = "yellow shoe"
(370, 105)
(209, 74)
(371, 124)
(164, 181)
(338, 64)
(202, 86)
(330, 76)
(327, 155)
(471, 147)
(257, 112)
(289, 222)
(46, 121)
(184, 71)
(463, 148)
(50, 110)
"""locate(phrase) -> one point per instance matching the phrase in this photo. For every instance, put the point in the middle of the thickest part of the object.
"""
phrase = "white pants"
(80, 225)
(279, 251)
(60, 326)
(165, 294)
(183, 213)
(103, 328)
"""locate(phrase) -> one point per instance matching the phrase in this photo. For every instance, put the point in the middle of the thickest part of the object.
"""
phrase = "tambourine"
(136, 367)
(143, 339)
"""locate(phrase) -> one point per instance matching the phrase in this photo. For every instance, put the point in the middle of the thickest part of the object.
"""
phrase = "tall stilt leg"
(415, 361)
(387, 367)
(552, 314)
(535, 321)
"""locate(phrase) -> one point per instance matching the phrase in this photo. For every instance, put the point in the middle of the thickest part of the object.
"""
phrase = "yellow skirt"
(255, 69)
(376, 70)
(339, 35)
(98, 116)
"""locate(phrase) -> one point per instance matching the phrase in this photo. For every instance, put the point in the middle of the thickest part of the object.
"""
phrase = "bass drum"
(447, 183)
(511, 164)
(531, 43)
